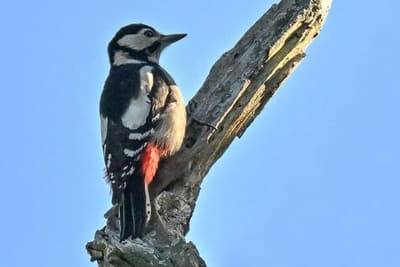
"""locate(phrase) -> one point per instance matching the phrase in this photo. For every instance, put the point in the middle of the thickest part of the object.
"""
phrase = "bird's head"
(137, 43)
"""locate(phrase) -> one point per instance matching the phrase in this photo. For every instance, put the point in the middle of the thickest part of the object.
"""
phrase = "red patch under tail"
(149, 162)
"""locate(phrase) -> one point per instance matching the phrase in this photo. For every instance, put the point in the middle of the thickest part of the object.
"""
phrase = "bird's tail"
(134, 208)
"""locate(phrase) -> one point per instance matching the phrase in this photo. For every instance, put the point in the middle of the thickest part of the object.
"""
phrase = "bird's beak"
(171, 38)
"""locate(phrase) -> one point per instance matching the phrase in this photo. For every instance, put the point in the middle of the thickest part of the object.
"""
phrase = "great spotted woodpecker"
(143, 120)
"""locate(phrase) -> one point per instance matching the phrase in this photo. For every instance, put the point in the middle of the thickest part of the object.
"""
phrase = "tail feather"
(133, 208)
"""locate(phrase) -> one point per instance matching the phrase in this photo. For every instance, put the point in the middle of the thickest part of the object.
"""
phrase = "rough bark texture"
(236, 90)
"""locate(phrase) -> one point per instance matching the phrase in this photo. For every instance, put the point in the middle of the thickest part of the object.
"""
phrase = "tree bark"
(239, 85)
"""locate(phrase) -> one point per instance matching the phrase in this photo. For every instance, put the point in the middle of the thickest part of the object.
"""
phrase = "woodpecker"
(143, 120)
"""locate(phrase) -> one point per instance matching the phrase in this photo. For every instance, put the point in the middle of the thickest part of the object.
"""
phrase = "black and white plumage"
(143, 119)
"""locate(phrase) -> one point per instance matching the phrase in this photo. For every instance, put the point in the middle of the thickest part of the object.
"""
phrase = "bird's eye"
(149, 33)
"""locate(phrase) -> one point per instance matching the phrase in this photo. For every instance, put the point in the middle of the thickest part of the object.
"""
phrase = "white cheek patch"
(136, 41)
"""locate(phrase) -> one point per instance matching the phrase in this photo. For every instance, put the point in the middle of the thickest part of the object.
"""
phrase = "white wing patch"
(146, 78)
(131, 170)
(109, 161)
(140, 136)
(137, 112)
(139, 108)
(131, 153)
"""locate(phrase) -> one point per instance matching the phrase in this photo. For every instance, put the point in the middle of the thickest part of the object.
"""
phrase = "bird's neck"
(121, 57)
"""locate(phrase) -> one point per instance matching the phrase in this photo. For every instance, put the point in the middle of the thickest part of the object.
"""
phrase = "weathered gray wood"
(239, 85)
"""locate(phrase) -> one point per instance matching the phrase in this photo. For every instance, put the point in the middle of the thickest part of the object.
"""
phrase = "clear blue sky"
(313, 182)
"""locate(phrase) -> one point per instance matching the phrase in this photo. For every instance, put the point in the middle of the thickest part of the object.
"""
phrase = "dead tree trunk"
(236, 90)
